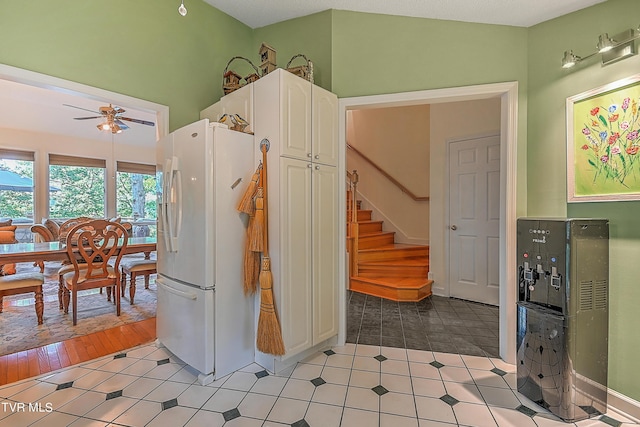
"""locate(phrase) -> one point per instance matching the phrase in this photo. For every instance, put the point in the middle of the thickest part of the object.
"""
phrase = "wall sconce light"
(612, 49)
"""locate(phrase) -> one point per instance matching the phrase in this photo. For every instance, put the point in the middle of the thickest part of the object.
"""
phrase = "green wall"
(309, 35)
(378, 54)
(549, 86)
(140, 48)
(374, 54)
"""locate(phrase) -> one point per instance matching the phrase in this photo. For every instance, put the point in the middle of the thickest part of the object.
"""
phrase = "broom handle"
(263, 177)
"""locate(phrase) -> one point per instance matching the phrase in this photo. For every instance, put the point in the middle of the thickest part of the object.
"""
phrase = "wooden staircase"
(381, 267)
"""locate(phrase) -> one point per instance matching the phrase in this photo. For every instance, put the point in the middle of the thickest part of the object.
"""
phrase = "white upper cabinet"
(324, 127)
(295, 97)
(237, 102)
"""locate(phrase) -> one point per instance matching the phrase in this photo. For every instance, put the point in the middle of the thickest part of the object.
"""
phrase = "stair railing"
(352, 227)
(388, 176)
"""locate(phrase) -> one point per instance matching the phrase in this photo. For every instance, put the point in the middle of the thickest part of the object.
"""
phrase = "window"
(81, 187)
(136, 197)
(16, 191)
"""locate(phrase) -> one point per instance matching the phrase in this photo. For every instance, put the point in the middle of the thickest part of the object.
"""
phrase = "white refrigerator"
(203, 316)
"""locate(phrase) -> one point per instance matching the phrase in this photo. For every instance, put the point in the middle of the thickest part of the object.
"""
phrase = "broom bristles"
(255, 232)
(269, 336)
(251, 270)
(246, 203)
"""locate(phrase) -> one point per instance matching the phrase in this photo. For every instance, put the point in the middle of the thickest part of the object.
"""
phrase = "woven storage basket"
(305, 71)
(230, 86)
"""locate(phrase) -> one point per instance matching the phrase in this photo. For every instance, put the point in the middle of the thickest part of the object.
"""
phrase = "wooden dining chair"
(22, 283)
(135, 267)
(90, 247)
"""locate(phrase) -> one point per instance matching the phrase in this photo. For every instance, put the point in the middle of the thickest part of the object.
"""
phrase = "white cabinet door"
(325, 251)
(295, 97)
(324, 138)
(237, 102)
(294, 288)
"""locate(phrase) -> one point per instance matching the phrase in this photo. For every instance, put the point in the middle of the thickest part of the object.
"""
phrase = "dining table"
(57, 251)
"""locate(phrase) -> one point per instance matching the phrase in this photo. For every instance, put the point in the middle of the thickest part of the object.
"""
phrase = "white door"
(295, 98)
(295, 254)
(474, 216)
(325, 248)
(187, 203)
(324, 126)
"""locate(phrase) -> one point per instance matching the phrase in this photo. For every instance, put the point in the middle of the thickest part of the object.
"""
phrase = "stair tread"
(413, 261)
(377, 233)
(395, 246)
(394, 282)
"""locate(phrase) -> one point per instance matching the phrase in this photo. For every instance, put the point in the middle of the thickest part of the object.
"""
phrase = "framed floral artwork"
(603, 143)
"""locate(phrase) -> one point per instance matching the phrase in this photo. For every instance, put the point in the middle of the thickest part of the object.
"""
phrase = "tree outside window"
(81, 192)
(136, 197)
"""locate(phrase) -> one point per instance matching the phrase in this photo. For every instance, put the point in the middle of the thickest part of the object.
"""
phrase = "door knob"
(454, 227)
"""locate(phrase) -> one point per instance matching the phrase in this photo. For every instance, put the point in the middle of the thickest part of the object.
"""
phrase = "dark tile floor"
(445, 325)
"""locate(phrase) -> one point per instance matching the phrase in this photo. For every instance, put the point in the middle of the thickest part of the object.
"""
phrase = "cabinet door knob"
(309, 155)
(316, 156)
(308, 165)
(317, 168)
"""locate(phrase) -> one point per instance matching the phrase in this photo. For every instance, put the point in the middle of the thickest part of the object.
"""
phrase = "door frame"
(508, 94)
(447, 199)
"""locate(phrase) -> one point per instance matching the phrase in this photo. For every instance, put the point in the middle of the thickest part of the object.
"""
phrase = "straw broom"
(246, 203)
(269, 335)
(251, 266)
(251, 262)
(256, 230)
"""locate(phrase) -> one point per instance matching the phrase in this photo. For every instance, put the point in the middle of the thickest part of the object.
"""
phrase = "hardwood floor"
(25, 364)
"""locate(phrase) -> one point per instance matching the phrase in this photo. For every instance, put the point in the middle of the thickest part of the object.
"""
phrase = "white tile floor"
(347, 386)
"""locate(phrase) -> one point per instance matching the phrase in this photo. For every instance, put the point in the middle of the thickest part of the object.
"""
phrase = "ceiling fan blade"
(121, 124)
(87, 118)
(142, 122)
(80, 108)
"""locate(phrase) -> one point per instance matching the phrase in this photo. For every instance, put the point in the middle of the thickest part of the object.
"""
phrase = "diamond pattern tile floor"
(351, 385)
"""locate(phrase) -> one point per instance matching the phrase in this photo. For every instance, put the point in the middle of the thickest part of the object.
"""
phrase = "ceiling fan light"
(115, 128)
(104, 126)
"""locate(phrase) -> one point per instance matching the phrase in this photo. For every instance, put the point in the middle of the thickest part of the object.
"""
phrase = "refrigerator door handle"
(166, 211)
(174, 198)
(178, 209)
(177, 292)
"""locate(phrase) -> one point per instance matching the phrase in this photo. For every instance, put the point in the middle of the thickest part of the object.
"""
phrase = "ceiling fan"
(113, 117)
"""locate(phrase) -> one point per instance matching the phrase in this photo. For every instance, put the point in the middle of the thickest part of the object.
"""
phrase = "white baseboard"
(623, 405)
(401, 236)
(278, 364)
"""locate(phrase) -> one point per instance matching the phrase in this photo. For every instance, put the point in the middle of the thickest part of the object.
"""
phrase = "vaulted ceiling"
(520, 13)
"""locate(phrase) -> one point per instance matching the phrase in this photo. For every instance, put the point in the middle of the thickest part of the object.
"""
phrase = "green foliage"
(14, 204)
(82, 191)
